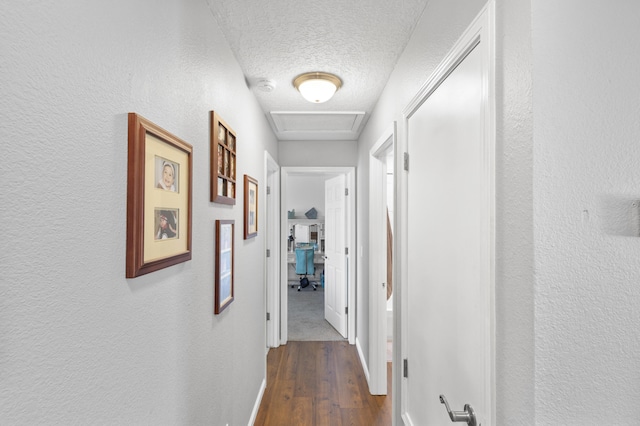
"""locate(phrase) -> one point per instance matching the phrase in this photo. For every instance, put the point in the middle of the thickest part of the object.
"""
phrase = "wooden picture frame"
(159, 188)
(250, 207)
(224, 264)
(223, 187)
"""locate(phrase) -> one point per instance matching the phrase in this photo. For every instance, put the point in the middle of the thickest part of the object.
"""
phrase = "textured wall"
(78, 342)
(586, 179)
(515, 359)
(318, 153)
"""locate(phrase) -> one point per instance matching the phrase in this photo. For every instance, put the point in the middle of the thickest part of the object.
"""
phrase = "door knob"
(468, 415)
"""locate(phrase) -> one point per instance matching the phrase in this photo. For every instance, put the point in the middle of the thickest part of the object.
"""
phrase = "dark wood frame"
(224, 167)
(221, 247)
(139, 128)
(248, 183)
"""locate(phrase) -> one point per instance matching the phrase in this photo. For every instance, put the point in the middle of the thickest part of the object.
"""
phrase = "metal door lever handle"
(468, 415)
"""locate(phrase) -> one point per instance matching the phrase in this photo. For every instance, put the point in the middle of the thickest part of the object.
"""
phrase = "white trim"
(283, 282)
(480, 32)
(350, 173)
(272, 243)
(363, 361)
(378, 260)
(256, 405)
(280, 120)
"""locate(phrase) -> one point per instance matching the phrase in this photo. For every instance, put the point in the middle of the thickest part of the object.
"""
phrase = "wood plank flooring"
(318, 384)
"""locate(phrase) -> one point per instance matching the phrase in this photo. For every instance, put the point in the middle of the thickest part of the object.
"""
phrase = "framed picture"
(250, 207)
(159, 180)
(224, 264)
(223, 161)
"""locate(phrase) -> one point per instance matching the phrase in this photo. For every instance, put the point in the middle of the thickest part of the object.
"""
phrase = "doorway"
(272, 242)
(381, 230)
(288, 184)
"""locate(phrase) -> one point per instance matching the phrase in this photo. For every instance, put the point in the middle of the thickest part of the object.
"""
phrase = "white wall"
(317, 153)
(438, 29)
(80, 344)
(586, 177)
(305, 192)
(515, 360)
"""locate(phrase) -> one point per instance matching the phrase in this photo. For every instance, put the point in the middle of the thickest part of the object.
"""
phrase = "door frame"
(271, 194)
(481, 30)
(378, 259)
(350, 174)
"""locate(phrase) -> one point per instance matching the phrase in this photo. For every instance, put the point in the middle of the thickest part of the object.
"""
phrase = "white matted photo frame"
(224, 264)
(250, 207)
(159, 180)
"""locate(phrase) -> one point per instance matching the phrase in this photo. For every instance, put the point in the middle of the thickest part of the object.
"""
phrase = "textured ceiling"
(359, 40)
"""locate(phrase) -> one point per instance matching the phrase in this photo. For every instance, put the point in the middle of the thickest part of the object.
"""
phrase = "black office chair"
(304, 266)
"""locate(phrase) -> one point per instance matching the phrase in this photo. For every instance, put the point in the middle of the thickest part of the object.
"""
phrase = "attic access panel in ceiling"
(308, 125)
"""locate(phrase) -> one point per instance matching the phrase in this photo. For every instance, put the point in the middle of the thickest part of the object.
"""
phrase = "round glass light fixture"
(317, 87)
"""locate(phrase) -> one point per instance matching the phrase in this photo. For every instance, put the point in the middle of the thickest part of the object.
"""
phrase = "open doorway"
(303, 196)
(306, 212)
(271, 194)
(381, 259)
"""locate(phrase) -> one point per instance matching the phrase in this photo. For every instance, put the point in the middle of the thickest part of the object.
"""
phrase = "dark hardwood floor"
(320, 383)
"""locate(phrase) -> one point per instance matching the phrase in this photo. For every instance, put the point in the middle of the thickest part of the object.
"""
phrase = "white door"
(450, 238)
(335, 273)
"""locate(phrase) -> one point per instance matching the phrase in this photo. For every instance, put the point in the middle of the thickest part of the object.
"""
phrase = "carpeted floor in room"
(306, 316)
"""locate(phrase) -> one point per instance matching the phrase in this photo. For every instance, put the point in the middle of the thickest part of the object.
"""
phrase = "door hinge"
(268, 253)
(346, 310)
(346, 250)
(405, 368)
(406, 161)
(268, 316)
(346, 191)
(268, 190)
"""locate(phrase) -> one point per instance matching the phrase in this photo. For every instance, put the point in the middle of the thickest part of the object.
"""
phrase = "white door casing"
(335, 273)
(350, 238)
(272, 246)
(378, 261)
(447, 298)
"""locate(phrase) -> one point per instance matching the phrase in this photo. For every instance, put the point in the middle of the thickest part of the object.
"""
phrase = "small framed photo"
(159, 180)
(223, 161)
(224, 264)
(250, 207)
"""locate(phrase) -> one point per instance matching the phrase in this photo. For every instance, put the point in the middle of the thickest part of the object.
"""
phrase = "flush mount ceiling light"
(317, 87)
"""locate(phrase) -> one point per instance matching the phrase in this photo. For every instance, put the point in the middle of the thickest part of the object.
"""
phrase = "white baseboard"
(363, 361)
(256, 406)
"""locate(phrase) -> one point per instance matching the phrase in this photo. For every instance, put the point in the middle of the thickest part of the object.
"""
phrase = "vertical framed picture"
(250, 207)
(159, 178)
(224, 264)
(223, 161)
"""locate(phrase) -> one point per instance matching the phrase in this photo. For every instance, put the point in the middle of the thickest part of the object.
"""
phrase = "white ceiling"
(358, 40)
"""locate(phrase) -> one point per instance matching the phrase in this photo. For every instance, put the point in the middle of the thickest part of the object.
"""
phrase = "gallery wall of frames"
(159, 201)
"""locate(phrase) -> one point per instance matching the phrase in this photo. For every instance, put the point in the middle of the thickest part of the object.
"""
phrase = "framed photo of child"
(167, 174)
(159, 180)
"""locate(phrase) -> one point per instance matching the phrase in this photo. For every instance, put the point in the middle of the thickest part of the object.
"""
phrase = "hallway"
(320, 383)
